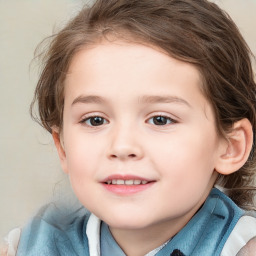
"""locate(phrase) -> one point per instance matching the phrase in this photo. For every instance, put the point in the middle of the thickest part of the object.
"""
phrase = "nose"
(125, 145)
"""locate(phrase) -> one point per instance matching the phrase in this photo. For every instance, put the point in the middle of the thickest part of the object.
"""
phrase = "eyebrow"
(88, 99)
(163, 99)
(144, 100)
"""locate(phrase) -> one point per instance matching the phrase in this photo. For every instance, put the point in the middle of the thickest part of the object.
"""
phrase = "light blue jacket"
(54, 233)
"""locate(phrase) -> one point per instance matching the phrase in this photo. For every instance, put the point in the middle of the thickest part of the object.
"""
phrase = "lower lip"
(127, 189)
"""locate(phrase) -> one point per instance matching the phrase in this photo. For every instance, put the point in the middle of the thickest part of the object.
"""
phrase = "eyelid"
(163, 114)
(92, 114)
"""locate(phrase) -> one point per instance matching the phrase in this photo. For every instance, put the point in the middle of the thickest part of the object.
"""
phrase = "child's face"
(133, 113)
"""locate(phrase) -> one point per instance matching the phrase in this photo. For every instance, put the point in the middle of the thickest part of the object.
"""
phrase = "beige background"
(29, 168)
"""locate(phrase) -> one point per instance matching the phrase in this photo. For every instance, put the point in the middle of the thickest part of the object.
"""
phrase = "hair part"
(197, 32)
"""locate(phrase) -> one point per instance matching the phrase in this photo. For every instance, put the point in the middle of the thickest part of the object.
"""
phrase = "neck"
(146, 239)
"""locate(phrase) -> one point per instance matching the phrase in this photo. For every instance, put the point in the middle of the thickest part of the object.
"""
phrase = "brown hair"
(198, 32)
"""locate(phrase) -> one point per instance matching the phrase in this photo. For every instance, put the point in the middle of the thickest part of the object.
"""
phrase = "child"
(151, 105)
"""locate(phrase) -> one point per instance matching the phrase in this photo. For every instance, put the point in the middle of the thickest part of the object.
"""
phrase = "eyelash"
(154, 119)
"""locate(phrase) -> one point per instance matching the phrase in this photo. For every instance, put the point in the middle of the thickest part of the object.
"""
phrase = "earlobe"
(60, 147)
(237, 148)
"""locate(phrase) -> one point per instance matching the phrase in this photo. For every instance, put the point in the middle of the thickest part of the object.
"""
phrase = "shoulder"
(249, 249)
(11, 243)
(242, 239)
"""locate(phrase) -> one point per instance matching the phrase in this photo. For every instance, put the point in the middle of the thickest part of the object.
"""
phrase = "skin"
(249, 249)
(179, 156)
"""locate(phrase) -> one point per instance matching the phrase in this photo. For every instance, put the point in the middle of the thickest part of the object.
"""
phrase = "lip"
(126, 189)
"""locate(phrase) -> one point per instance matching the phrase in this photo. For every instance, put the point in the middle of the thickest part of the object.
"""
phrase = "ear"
(237, 148)
(60, 148)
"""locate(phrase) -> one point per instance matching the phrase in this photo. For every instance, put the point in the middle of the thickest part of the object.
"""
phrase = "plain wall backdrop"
(29, 167)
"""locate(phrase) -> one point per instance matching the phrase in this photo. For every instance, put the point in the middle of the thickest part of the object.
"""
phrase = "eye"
(94, 121)
(160, 120)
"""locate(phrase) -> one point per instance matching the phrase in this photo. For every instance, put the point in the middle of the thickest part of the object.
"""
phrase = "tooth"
(114, 182)
(129, 182)
(109, 182)
(137, 182)
(120, 182)
(144, 182)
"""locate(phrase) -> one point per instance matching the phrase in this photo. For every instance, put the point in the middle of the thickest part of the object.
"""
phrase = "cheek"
(186, 156)
(82, 156)
(82, 164)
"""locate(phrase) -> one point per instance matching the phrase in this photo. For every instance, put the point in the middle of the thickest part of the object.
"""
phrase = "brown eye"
(160, 120)
(95, 121)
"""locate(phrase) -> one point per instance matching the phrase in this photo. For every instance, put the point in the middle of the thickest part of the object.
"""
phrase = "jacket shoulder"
(55, 231)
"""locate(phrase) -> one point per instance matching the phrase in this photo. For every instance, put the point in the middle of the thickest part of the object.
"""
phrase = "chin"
(127, 222)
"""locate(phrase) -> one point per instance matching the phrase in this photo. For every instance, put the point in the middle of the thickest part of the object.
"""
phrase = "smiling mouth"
(126, 182)
(126, 185)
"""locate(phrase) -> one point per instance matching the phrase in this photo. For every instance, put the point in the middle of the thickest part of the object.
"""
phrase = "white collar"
(93, 235)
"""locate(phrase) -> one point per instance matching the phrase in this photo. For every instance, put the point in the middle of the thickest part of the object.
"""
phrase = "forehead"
(121, 58)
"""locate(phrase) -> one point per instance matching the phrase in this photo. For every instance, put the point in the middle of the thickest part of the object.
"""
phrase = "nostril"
(123, 156)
